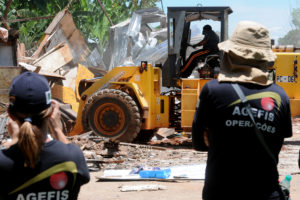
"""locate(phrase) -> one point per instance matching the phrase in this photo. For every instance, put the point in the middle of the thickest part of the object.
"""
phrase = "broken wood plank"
(55, 58)
(50, 51)
(131, 188)
(139, 179)
(29, 67)
(67, 25)
(21, 52)
(143, 146)
(79, 47)
(55, 22)
(38, 69)
(45, 40)
(103, 161)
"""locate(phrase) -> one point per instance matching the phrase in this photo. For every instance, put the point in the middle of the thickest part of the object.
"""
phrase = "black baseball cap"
(29, 93)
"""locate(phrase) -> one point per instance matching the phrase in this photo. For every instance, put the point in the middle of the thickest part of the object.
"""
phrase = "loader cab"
(179, 34)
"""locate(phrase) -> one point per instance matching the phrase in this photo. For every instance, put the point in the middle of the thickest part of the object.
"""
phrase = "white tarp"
(190, 172)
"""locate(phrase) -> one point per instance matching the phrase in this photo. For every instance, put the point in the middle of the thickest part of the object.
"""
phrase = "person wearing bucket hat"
(239, 165)
(35, 165)
(210, 46)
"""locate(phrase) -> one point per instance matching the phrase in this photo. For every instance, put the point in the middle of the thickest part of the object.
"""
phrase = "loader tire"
(114, 114)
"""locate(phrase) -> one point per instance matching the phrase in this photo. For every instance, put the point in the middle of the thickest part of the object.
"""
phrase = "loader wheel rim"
(109, 119)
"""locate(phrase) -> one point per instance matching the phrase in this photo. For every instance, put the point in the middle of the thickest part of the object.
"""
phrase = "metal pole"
(103, 9)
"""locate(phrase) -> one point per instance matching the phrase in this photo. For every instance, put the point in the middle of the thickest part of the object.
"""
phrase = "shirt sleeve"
(286, 125)
(81, 165)
(204, 41)
(200, 122)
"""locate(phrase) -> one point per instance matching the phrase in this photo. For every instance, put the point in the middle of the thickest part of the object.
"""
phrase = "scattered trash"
(130, 188)
(183, 172)
(136, 170)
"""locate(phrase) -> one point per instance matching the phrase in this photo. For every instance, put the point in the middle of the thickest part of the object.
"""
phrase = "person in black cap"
(35, 166)
(210, 46)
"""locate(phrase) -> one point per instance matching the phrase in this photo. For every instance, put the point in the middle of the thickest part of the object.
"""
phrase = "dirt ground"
(165, 153)
(174, 190)
(181, 190)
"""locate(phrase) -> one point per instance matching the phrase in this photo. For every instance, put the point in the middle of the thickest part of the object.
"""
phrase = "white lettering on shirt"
(45, 195)
(257, 113)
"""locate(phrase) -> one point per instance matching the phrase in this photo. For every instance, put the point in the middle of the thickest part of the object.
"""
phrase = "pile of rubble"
(64, 58)
(102, 154)
(167, 153)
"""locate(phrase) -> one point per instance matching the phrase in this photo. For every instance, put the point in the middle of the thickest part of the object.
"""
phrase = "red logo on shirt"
(267, 103)
(59, 180)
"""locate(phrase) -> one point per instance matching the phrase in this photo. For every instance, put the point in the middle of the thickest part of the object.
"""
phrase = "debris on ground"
(153, 187)
(101, 155)
(158, 154)
(64, 58)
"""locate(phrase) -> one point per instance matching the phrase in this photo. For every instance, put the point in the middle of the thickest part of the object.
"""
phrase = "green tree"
(87, 14)
(293, 36)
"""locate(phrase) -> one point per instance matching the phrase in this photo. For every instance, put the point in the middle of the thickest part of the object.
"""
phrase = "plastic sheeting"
(134, 40)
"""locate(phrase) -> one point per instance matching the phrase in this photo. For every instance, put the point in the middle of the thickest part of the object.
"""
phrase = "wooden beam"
(25, 19)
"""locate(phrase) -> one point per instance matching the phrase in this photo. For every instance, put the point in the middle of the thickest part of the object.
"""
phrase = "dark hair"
(30, 137)
(207, 27)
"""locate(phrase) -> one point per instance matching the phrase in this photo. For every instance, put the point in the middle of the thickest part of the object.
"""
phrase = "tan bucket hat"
(246, 55)
(249, 40)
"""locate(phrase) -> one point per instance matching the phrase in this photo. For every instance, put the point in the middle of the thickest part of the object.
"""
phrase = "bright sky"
(274, 14)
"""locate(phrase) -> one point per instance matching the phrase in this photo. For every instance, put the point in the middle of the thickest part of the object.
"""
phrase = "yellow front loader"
(128, 101)
(285, 73)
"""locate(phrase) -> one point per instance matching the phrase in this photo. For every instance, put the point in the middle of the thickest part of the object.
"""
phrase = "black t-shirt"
(212, 40)
(237, 163)
(58, 175)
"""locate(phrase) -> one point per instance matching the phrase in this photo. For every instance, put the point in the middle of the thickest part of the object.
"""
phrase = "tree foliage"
(87, 14)
(293, 36)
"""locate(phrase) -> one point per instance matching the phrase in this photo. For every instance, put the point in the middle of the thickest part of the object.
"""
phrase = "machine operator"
(210, 46)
